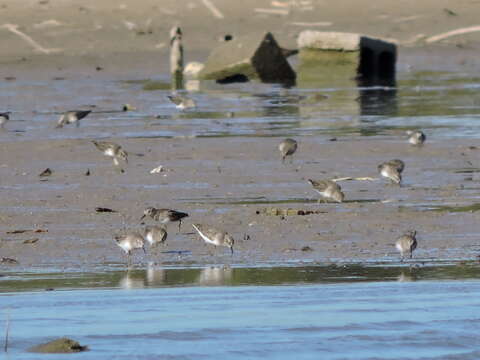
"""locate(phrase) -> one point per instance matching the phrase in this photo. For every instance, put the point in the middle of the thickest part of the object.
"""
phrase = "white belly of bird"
(109, 152)
(208, 240)
(326, 194)
(399, 248)
(385, 173)
(149, 238)
(126, 246)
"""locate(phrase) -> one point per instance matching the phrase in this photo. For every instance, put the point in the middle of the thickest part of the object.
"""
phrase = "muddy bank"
(225, 184)
(221, 161)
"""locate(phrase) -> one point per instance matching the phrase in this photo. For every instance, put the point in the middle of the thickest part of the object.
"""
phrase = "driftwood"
(456, 32)
(37, 47)
(364, 178)
(310, 24)
(210, 6)
(271, 11)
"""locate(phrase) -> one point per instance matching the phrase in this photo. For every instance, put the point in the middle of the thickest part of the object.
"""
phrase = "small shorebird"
(406, 243)
(416, 137)
(70, 117)
(392, 170)
(4, 117)
(287, 147)
(214, 236)
(155, 235)
(328, 189)
(164, 215)
(129, 242)
(112, 150)
(182, 102)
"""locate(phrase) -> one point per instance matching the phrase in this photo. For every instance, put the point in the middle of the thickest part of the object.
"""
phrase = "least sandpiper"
(129, 242)
(4, 117)
(406, 243)
(70, 117)
(392, 170)
(164, 215)
(112, 150)
(214, 236)
(329, 189)
(416, 137)
(287, 147)
(155, 235)
(182, 102)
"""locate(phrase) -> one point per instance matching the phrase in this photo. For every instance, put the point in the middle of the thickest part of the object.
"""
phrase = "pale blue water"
(317, 318)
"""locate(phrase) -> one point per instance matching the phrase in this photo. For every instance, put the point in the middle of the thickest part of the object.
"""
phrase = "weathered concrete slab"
(355, 55)
(255, 56)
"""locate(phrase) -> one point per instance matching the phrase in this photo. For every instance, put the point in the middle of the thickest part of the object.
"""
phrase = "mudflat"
(221, 162)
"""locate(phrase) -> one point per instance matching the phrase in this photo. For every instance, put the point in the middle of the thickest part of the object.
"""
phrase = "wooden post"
(176, 58)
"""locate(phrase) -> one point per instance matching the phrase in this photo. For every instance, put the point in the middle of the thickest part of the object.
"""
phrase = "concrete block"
(249, 57)
(354, 55)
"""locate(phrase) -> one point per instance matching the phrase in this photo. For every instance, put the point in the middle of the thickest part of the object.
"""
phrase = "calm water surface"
(437, 102)
(330, 312)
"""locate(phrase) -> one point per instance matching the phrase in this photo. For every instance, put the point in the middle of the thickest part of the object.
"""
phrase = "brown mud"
(224, 182)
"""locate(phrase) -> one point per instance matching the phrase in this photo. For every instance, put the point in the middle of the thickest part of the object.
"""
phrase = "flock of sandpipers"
(392, 170)
(155, 235)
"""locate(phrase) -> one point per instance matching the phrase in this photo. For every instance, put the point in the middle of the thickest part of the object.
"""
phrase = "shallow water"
(443, 104)
(335, 312)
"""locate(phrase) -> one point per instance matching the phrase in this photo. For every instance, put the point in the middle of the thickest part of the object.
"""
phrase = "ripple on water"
(351, 320)
(439, 105)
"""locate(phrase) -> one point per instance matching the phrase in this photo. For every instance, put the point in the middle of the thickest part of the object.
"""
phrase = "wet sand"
(225, 186)
(218, 181)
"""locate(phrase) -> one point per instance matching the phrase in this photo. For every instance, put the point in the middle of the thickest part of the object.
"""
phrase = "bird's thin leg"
(77, 124)
(291, 159)
(179, 225)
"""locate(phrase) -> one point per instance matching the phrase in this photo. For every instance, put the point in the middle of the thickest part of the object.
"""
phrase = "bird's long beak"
(143, 217)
